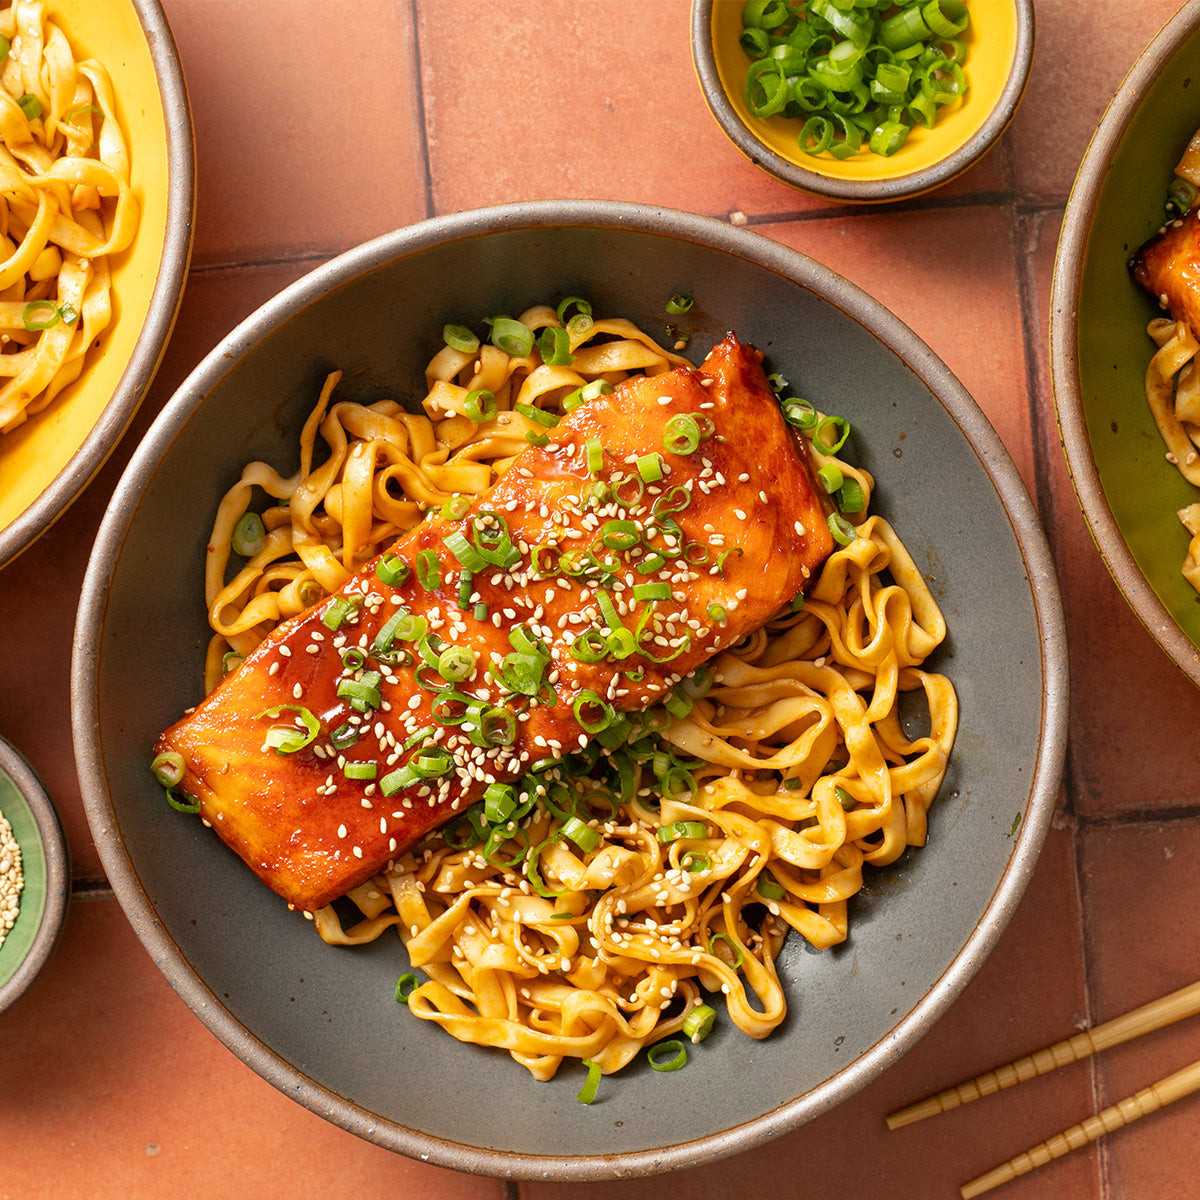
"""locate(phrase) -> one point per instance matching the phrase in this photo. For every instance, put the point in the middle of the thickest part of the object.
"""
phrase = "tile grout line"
(422, 115)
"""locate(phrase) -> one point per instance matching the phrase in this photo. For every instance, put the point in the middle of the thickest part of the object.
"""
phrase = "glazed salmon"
(1168, 267)
(658, 525)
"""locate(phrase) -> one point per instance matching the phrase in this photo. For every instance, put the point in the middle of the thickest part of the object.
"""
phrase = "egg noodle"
(656, 866)
(65, 206)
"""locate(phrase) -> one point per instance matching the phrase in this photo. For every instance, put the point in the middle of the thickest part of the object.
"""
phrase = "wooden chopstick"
(1149, 1017)
(1132, 1108)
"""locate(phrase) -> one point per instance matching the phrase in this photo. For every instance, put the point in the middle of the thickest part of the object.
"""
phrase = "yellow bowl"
(1000, 45)
(46, 462)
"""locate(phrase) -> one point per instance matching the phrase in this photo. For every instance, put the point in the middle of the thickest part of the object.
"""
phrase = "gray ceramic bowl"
(1128, 491)
(42, 905)
(321, 1023)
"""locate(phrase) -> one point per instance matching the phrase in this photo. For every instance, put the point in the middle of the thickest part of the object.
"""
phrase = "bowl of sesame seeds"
(321, 1022)
(35, 876)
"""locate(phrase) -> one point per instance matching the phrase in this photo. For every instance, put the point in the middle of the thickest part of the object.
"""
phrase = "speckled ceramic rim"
(1046, 771)
(856, 190)
(58, 872)
(164, 304)
(1064, 343)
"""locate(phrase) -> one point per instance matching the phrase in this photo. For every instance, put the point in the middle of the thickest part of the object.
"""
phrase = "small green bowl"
(1000, 42)
(1099, 347)
(43, 904)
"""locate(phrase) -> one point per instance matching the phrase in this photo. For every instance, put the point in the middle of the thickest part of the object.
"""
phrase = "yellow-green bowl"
(46, 462)
(1000, 50)
(1100, 350)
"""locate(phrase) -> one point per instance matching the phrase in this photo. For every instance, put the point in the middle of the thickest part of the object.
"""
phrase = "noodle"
(65, 206)
(590, 917)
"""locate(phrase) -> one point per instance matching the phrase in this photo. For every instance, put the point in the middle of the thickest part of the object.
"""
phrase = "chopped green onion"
(716, 612)
(190, 805)
(466, 587)
(581, 306)
(589, 391)
(620, 535)
(679, 303)
(699, 1022)
(363, 693)
(694, 863)
(587, 1093)
(40, 314)
(499, 801)
(5, 46)
(405, 986)
(682, 434)
(249, 535)
(682, 829)
(667, 1056)
(353, 659)
(397, 780)
(30, 105)
(480, 405)
(594, 451)
(168, 768)
(554, 345)
(464, 551)
(360, 770)
(391, 569)
(830, 476)
(768, 889)
(850, 497)
(456, 507)
(512, 337)
(678, 705)
(799, 413)
(460, 338)
(589, 699)
(289, 739)
(429, 764)
(338, 612)
(659, 590)
(724, 937)
(456, 663)
(538, 415)
(650, 468)
(537, 439)
(845, 799)
(840, 429)
(582, 834)
(344, 736)
(843, 532)
(429, 570)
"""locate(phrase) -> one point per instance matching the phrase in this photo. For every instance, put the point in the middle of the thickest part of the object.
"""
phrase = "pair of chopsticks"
(1152, 1016)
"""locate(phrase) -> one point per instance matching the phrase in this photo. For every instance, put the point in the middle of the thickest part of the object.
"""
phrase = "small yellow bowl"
(1000, 45)
(46, 462)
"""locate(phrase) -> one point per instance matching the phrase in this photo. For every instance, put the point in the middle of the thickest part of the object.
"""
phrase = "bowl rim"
(1045, 773)
(1078, 220)
(165, 300)
(861, 191)
(58, 871)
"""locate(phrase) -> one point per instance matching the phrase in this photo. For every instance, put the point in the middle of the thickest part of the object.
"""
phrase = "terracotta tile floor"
(321, 123)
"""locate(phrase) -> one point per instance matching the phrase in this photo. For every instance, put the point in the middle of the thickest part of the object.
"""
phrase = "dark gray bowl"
(320, 1023)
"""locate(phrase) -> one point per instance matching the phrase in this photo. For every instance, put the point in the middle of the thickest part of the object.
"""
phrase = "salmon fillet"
(1168, 267)
(578, 607)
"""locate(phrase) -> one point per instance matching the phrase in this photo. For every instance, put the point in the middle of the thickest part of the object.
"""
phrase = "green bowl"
(43, 904)
(1129, 493)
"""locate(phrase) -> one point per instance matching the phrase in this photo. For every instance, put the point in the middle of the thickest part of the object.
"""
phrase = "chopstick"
(1158, 1013)
(1149, 1017)
(1116, 1116)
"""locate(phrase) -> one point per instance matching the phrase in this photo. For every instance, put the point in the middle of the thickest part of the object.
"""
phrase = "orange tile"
(1136, 954)
(1028, 993)
(114, 1089)
(307, 124)
(968, 313)
(1082, 53)
(1153, 710)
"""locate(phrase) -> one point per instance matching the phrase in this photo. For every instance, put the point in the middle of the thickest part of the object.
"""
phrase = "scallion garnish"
(582, 834)
(30, 105)
(391, 569)
(587, 1093)
(168, 768)
(554, 345)
(698, 1023)
(667, 1056)
(456, 663)
(460, 338)
(512, 337)
(249, 535)
(682, 434)
(429, 570)
(679, 303)
(405, 986)
(677, 830)
(538, 415)
(287, 739)
(843, 532)
(360, 770)
(480, 405)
